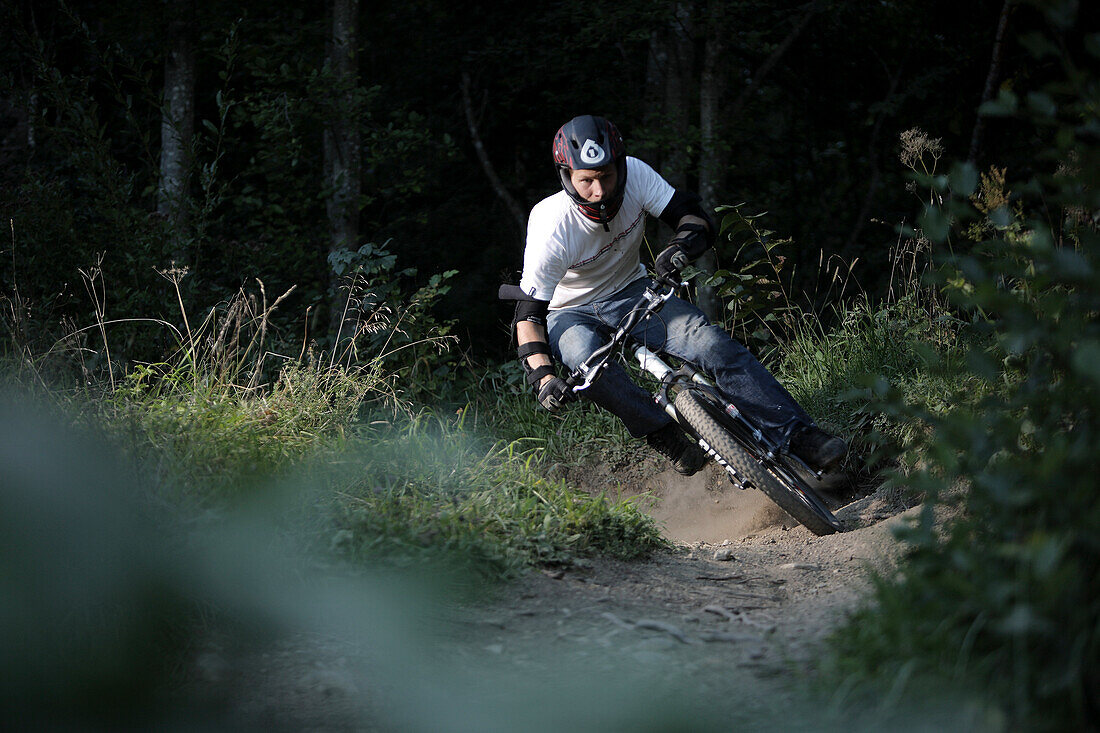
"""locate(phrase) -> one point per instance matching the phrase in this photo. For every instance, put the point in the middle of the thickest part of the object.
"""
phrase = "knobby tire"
(779, 483)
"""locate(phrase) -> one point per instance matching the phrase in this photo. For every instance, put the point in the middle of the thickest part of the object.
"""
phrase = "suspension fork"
(656, 366)
(666, 375)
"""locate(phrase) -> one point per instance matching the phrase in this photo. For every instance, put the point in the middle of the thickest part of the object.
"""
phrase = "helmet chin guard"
(588, 143)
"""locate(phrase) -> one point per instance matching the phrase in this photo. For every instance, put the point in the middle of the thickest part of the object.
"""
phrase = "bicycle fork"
(656, 366)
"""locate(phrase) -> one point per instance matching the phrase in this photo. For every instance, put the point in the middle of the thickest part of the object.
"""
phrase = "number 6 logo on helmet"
(592, 153)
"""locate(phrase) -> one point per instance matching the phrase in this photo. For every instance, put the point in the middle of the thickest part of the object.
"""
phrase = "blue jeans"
(680, 329)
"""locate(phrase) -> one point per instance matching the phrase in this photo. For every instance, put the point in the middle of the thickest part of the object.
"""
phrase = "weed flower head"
(915, 144)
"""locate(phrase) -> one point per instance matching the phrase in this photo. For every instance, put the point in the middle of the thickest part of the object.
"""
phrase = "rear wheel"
(778, 482)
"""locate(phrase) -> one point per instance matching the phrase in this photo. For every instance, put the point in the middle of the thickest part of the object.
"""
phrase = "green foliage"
(751, 283)
(85, 196)
(263, 182)
(388, 318)
(910, 345)
(85, 192)
(1001, 602)
(581, 432)
(429, 492)
(838, 366)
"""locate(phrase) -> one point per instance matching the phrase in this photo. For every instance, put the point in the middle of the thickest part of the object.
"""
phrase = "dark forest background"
(250, 233)
(274, 140)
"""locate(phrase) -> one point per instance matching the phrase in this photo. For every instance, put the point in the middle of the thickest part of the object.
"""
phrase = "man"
(582, 274)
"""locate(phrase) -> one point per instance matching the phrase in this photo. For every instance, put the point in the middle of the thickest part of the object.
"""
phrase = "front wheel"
(778, 484)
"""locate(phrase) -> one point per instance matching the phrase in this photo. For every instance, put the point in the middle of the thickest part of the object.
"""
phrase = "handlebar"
(655, 297)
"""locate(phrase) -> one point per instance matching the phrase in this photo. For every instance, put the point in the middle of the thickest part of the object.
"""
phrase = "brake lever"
(589, 377)
(654, 296)
(585, 374)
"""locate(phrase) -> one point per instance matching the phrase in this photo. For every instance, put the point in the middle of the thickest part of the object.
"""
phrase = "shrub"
(1001, 602)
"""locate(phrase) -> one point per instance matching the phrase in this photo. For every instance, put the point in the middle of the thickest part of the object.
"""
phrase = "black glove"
(554, 393)
(690, 241)
(669, 263)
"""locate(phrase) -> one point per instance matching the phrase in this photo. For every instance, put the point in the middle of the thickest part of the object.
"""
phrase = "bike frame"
(684, 376)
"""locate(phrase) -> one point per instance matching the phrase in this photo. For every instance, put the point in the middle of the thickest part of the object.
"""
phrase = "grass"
(210, 435)
(377, 481)
(224, 417)
(430, 491)
(909, 346)
(401, 484)
(579, 433)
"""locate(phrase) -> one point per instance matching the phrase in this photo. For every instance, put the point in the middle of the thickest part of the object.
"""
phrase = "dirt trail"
(744, 599)
(724, 622)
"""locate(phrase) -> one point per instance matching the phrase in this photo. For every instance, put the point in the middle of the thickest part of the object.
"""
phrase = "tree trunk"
(655, 74)
(770, 62)
(32, 116)
(177, 125)
(851, 248)
(990, 80)
(342, 145)
(711, 155)
(502, 193)
(342, 150)
(678, 89)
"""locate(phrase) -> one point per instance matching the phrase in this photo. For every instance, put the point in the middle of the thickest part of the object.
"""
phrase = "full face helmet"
(587, 143)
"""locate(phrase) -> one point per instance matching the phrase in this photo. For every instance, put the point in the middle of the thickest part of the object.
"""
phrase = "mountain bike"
(694, 401)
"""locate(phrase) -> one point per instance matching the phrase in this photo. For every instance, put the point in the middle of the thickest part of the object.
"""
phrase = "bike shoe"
(685, 456)
(817, 448)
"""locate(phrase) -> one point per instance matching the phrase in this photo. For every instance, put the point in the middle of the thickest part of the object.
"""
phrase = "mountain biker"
(582, 274)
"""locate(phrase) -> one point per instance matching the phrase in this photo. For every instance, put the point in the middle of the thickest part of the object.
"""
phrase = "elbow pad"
(531, 310)
(692, 239)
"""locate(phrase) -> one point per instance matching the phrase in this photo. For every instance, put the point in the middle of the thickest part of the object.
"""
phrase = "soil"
(721, 627)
